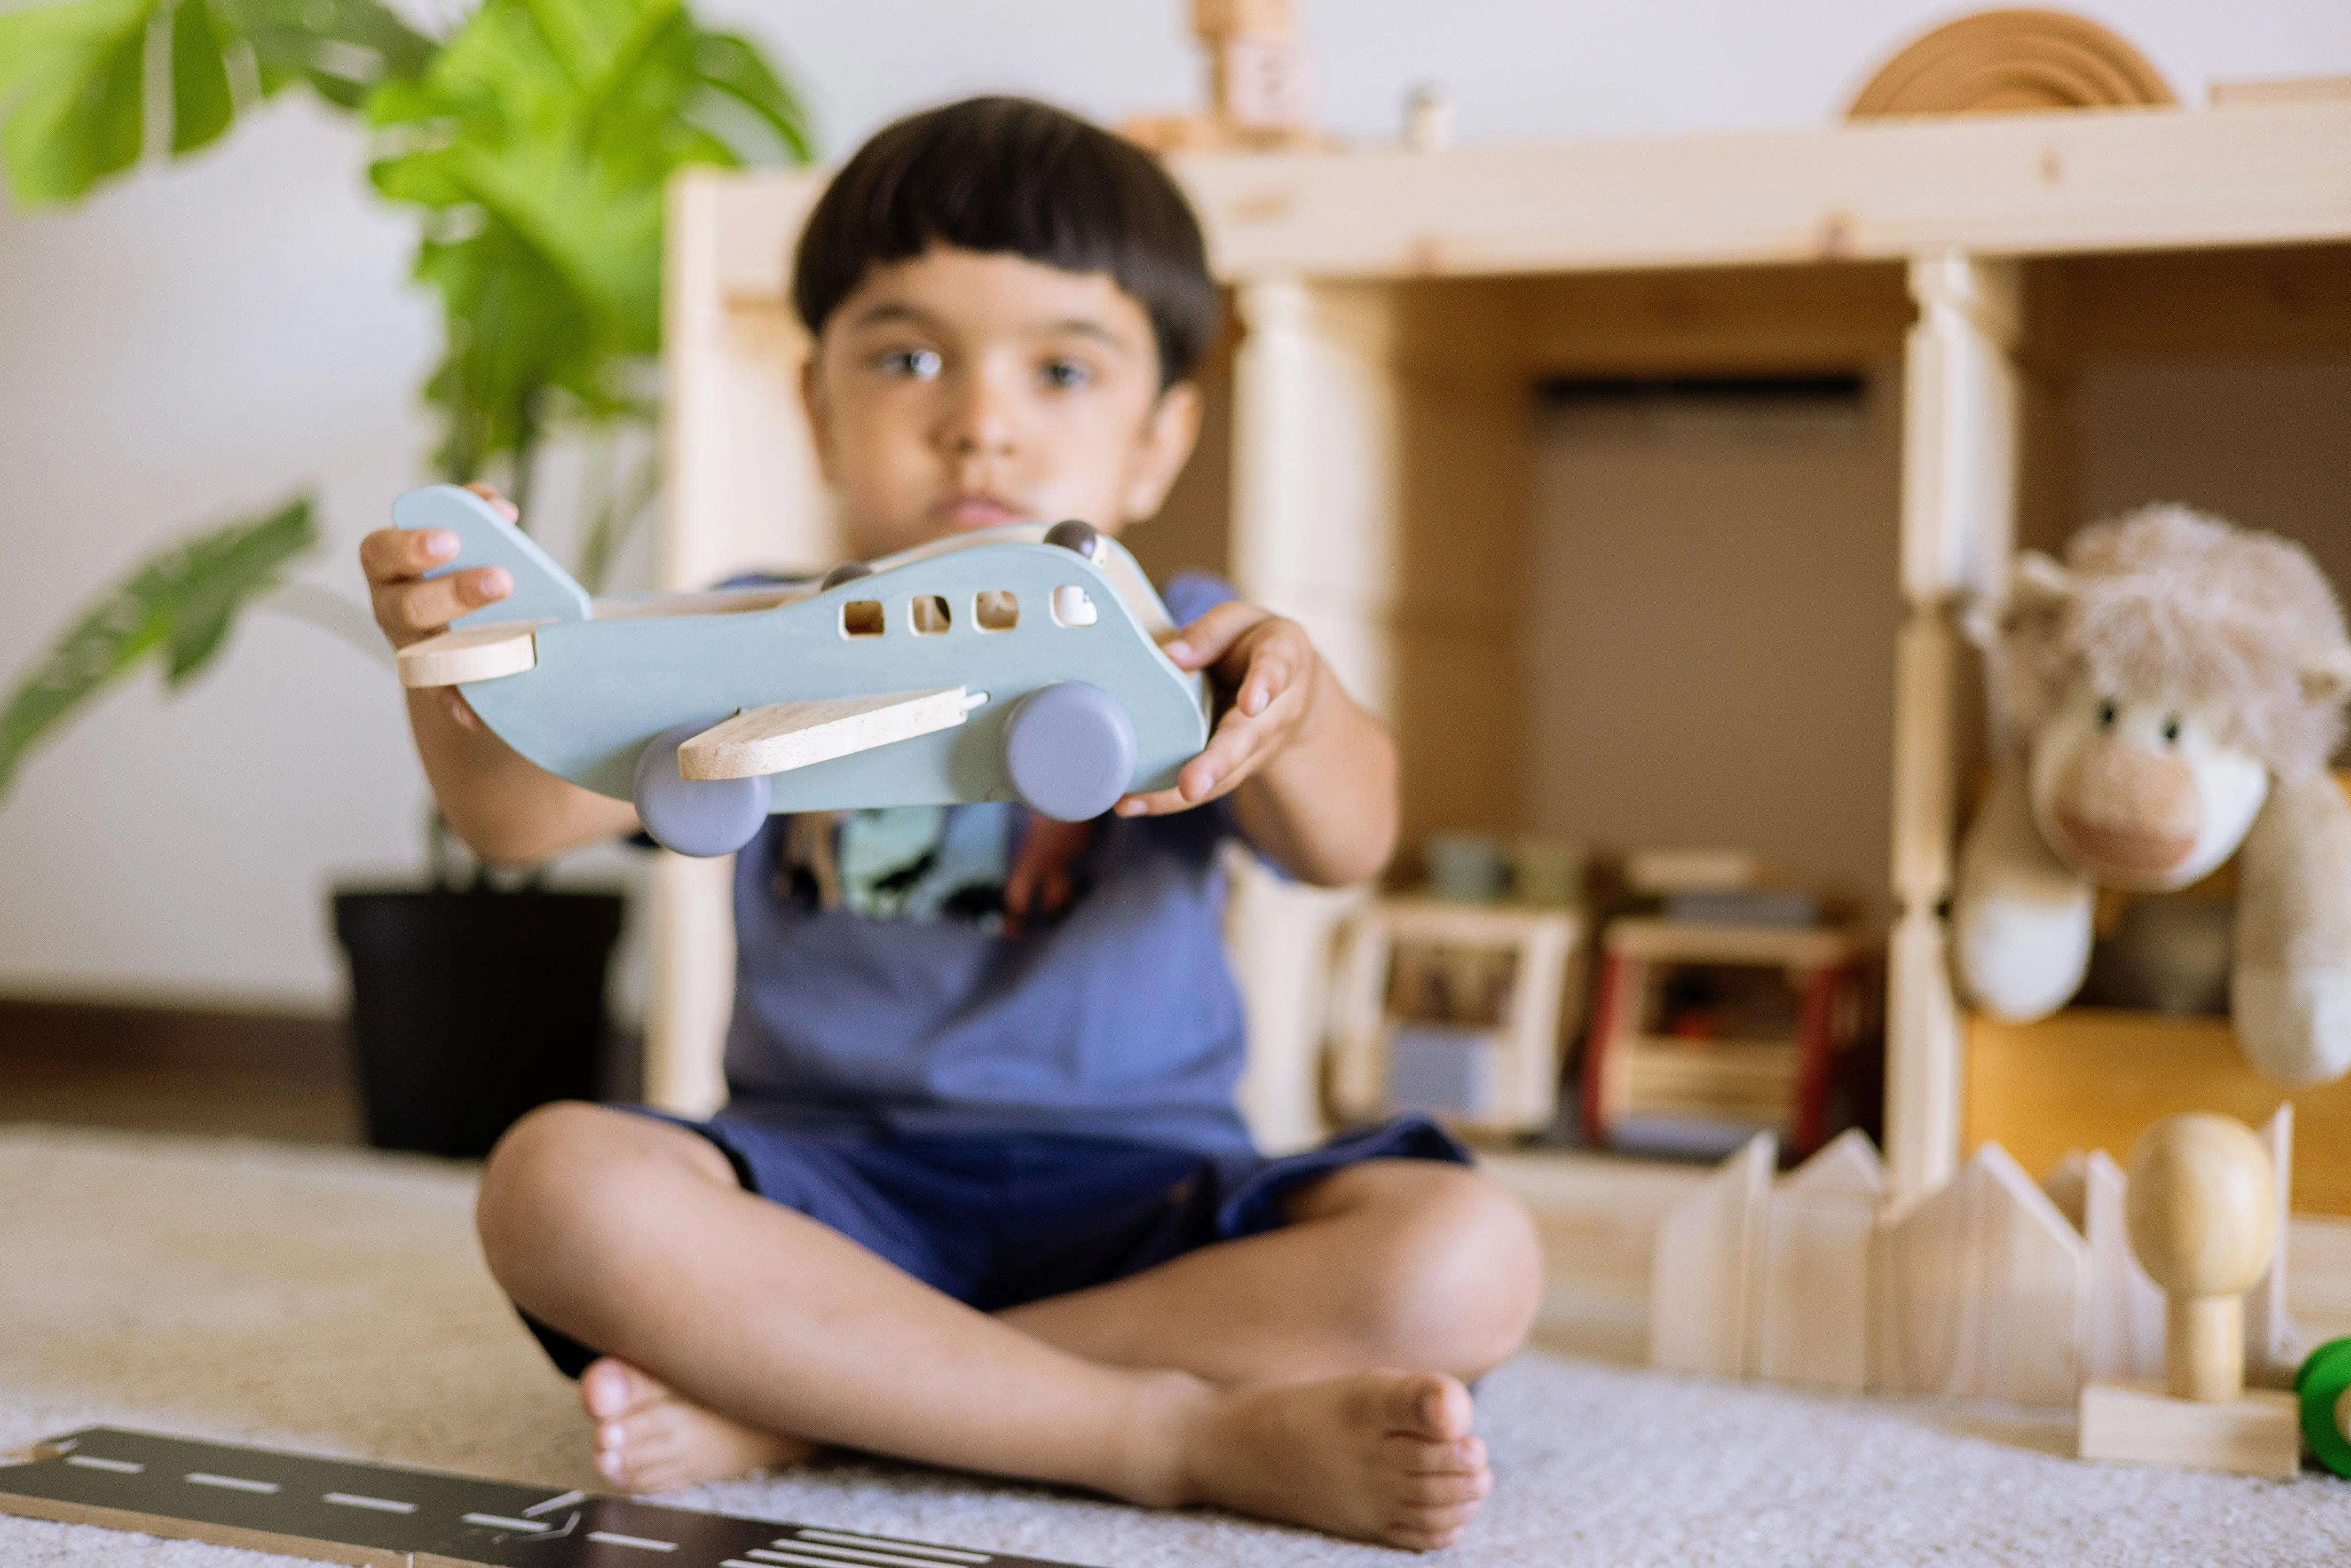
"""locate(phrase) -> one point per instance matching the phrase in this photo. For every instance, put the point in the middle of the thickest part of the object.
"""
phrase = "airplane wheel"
(694, 816)
(1068, 750)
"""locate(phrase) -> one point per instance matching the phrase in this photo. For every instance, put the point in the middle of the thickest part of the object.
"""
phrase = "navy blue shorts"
(997, 1221)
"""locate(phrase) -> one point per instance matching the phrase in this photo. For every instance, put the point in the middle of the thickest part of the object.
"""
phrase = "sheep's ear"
(2326, 672)
(2038, 581)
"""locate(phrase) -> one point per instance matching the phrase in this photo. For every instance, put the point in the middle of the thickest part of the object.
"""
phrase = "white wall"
(197, 344)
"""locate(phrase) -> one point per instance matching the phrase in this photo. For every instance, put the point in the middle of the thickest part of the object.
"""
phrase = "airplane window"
(1072, 607)
(996, 609)
(861, 618)
(930, 614)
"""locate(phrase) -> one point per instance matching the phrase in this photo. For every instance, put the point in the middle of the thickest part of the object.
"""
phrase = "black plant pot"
(468, 1008)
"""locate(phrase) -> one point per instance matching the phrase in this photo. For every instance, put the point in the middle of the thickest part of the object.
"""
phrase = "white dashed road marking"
(380, 1504)
(92, 1462)
(613, 1538)
(499, 1522)
(230, 1483)
(947, 1553)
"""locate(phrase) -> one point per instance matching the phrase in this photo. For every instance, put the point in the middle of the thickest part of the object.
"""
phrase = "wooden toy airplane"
(1014, 664)
(382, 1516)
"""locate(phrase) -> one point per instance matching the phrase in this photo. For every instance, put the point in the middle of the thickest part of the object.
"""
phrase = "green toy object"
(2323, 1386)
(1013, 664)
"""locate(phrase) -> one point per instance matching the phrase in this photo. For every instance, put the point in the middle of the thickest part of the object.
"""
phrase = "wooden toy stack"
(2151, 1298)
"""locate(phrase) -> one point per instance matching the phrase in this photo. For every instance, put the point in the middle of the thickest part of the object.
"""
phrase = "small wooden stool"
(1778, 1085)
(1491, 1062)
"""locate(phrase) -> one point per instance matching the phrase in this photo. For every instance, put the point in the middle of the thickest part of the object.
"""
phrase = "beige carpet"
(332, 1302)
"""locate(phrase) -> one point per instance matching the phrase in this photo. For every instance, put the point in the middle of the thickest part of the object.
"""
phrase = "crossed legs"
(1312, 1373)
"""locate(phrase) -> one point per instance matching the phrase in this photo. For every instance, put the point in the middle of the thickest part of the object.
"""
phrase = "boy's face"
(960, 390)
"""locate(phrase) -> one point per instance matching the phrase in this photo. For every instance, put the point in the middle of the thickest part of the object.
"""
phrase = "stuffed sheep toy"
(2172, 691)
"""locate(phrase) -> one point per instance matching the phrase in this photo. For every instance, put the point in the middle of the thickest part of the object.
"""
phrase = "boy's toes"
(1429, 1405)
(611, 1388)
(1445, 1490)
(1418, 1531)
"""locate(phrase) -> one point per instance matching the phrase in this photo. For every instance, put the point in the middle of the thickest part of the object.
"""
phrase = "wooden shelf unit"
(1367, 467)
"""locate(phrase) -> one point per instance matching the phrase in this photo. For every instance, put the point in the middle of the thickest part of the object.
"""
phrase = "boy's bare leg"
(634, 1236)
(1410, 1263)
(1417, 1263)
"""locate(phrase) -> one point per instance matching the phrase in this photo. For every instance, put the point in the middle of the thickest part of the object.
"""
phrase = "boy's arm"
(1312, 777)
(505, 807)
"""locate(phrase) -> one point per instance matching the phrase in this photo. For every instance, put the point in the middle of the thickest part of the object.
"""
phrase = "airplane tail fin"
(542, 589)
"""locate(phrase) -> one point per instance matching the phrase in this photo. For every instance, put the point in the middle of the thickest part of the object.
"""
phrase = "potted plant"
(533, 141)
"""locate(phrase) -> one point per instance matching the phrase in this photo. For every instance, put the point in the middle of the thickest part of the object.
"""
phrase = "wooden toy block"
(2123, 1337)
(2273, 1346)
(1818, 1233)
(381, 1516)
(1706, 1277)
(1505, 1063)
(1981, 1291)
(2257, 1434)
(2203, 1213)
(780, 737)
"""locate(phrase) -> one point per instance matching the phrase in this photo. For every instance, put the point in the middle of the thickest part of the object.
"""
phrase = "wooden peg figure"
(2202, 1211)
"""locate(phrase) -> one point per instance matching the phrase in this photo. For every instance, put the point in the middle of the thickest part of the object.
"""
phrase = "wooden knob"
(2202, 1211)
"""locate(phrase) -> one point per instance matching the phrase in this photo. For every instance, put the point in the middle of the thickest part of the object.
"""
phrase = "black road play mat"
(377, 1516)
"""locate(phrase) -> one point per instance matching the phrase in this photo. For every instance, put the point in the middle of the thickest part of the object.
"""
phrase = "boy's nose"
(981, 423)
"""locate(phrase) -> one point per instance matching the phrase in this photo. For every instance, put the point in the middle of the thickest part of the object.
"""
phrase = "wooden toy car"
(1014, 664)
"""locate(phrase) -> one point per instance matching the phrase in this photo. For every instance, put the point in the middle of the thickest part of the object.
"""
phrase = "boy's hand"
(1267, 663)
(408, 609)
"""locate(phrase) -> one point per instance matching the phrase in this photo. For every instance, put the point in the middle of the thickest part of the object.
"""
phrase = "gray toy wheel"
(846, 571)
(1083, 539)
(694, 816)
(1068, 750)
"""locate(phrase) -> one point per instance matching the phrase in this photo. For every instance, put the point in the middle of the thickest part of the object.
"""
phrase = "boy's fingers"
(421, 607)
(1274, 665)
(388, 555)
(499, 503)
(1230, 757)
(1212, 636)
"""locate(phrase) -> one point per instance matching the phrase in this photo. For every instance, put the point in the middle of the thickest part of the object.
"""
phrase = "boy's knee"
(567, 1171)
(1464, 1270)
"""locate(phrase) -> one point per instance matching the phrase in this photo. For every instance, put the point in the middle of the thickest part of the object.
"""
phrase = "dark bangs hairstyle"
(1010, 174)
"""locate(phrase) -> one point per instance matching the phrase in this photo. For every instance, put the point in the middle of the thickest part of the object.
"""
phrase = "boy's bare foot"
(650, 1439)
(1379, 1456)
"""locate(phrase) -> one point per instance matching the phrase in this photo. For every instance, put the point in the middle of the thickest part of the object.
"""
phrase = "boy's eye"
(1066, 375)
(916, 364)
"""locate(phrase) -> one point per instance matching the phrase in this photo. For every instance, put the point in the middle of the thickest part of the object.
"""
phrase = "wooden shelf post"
(1959, 504)
(1316, 523)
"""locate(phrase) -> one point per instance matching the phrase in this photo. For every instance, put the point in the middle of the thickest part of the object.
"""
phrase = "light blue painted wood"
(603, 689)
(542, 589)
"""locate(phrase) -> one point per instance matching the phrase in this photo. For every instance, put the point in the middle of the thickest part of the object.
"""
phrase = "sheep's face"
(2141, 792)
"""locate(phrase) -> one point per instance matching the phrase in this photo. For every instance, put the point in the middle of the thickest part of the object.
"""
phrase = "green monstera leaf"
(539, 141)
(177, 605)
(73, 82)
(75, 78)
(535, 140)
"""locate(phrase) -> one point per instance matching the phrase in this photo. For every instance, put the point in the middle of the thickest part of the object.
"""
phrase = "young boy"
(980, 1196)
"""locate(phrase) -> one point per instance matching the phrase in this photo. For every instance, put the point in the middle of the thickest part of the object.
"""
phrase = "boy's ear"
(819, 410)
(1160, 448)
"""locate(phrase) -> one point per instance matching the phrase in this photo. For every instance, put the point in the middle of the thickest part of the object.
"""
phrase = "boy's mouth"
(976, 509)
